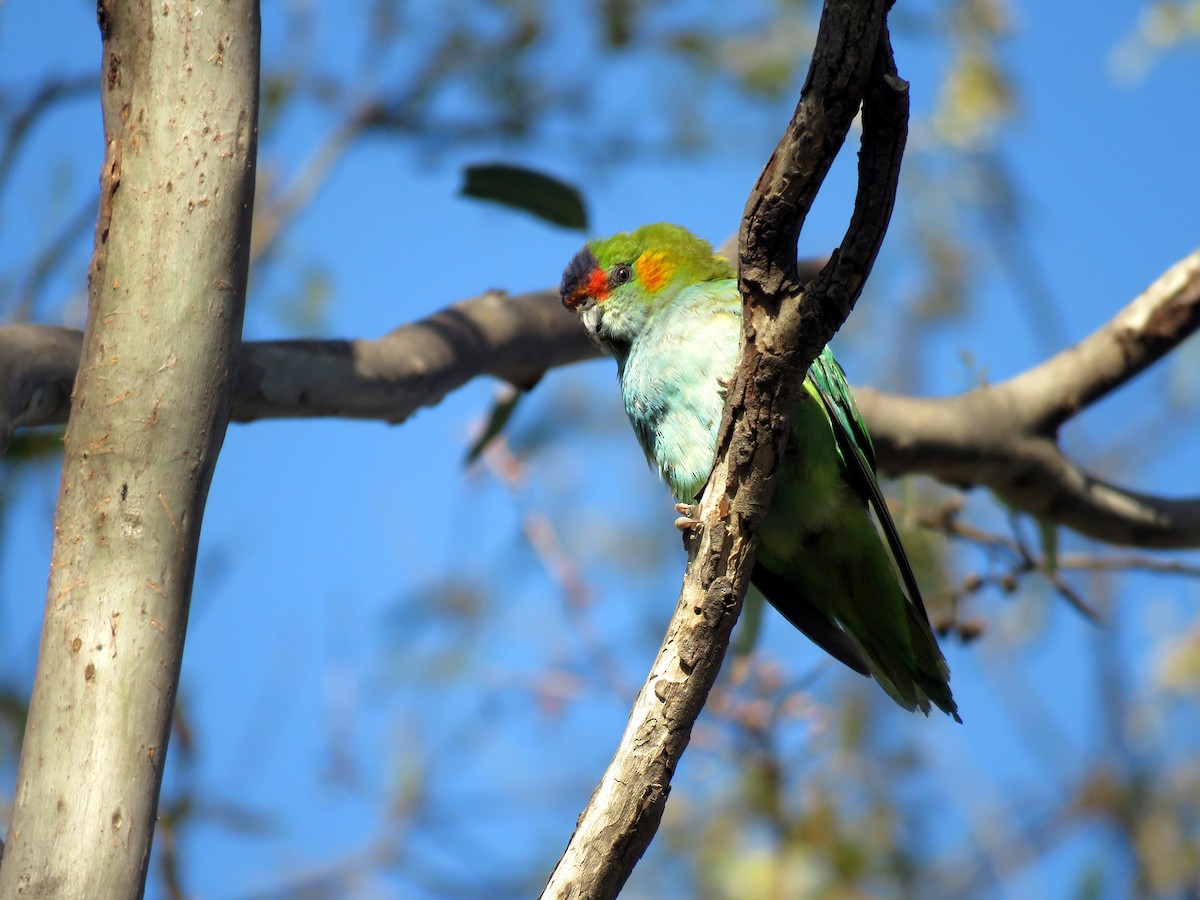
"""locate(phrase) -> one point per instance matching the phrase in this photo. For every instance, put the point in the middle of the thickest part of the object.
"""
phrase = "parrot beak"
(591, 316)
(576, 301)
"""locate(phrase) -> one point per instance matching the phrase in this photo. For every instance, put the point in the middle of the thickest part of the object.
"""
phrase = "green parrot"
(668, 309)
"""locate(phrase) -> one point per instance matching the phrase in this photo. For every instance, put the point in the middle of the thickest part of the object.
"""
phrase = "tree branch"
(993, 436)
(1003, 436)
(785, 329)
(38, 364)
(516, 339)
(167, 288)
(1136, 338)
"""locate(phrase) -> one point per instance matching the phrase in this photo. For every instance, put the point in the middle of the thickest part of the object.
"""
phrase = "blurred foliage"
(32, 445)
(787, 791)
(501, 412)
(977, 95)
(1161, 27)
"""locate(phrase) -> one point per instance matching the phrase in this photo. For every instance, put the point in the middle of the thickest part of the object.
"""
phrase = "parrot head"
(616, 284)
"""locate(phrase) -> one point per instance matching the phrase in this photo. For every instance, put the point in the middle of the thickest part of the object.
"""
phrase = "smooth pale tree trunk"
(167, 292)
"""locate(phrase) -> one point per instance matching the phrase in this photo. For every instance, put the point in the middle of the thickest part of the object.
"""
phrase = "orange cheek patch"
(654, 269)
(597, 285)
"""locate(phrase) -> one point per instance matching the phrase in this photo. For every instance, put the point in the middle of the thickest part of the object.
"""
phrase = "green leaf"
(536, 193)
(502, 411)
(35, 445)
(1091, 882)
(1048, 534)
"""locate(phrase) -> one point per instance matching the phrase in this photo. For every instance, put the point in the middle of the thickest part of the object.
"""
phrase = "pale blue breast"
(671, 381)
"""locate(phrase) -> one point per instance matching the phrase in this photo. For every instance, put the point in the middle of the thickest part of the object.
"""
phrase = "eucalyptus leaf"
(35, 444)
(550, 199)
(502, 411)
(1048, 535)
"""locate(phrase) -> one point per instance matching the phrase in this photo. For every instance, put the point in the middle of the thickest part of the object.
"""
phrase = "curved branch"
(785, 330)
(1055, 488)
(977, 439)
(833, 91)
(1136, 338)
(517, 339)
(991, 437)
(1003, 436)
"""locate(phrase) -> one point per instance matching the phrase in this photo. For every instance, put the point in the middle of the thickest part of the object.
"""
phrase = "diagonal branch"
(1137, 337)
(1003, 436)
(785, 330)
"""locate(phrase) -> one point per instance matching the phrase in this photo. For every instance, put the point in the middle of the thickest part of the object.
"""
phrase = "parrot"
(668, 309)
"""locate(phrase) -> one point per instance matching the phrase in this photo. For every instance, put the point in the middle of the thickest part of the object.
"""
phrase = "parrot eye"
(622, 274)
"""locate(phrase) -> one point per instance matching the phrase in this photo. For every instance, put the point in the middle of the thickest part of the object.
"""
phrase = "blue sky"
(325, 541)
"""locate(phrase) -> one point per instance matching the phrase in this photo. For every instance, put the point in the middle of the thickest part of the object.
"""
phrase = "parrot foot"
(687, 521)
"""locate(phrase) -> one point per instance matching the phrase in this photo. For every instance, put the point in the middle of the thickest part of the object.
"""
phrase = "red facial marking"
(597, 285)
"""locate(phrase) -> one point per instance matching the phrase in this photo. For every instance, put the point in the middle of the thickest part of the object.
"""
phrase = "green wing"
(859, 454)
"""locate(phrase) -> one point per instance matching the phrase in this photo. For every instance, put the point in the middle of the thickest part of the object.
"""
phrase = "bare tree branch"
(999, 437)
(516, 339)
(1136, 338)
(785, 329)
(1004, 436)
(38, 364)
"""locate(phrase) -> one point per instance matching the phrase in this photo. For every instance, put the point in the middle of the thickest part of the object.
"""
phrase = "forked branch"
(786, 326)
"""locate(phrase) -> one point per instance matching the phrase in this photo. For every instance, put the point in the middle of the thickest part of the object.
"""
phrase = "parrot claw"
(687, 521)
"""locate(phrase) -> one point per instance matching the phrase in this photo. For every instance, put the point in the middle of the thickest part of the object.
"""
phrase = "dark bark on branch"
(785, 328)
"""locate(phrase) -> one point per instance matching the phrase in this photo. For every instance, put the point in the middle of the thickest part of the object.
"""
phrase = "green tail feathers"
(844, 595)
(823, 564)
